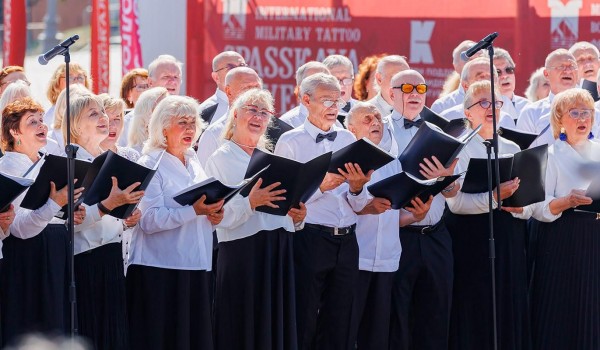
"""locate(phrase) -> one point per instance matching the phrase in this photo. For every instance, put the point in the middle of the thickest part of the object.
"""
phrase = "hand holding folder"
(363, 152)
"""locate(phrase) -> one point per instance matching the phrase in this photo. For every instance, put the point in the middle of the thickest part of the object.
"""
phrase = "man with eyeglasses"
(476, 70)
(326, 250)
(341, 67)
(297, 115)
(505, 67)
(236, 81)
(165, 71)
(587, 57)
(422, 287)
(215, 107)
(561, 70)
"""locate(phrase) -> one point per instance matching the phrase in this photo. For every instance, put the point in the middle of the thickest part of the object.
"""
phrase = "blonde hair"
(53, 86)
(61, 103)
(111, 103)
(78, 104)
(173, 106)
(566, 100)
(14, 91)
(142, 112)
(478, 87)
(252, 96)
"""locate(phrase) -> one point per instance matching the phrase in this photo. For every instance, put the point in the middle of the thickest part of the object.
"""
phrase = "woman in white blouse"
(255, 297)
(99, 276)
(35, 278)
(169, 274)
(471, 318)
(566, 281)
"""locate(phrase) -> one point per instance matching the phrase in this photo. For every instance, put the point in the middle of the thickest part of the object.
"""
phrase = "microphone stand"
(489, 146)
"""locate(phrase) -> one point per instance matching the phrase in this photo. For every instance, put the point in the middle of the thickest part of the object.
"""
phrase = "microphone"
(483, 44)
(59, 49)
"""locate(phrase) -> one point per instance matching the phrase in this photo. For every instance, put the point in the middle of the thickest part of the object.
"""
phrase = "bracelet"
(355, 193)
(449, 188)
(103, 209)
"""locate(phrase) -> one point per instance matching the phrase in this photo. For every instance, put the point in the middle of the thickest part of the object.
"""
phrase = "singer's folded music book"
(363, 152)
(528, 165)
(454, 128)
(12, 187)
(300, 180)
(521, 138)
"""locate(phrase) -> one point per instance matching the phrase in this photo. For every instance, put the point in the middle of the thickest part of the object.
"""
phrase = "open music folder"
(363, 152)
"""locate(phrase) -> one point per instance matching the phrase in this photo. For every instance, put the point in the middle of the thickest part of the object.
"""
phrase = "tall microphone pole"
(63, 50)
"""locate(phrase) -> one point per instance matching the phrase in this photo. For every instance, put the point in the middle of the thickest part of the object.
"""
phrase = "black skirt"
(169, 309)
(101, 308)
(566, 284)
(471, 320)
(35, 284)
(255, 294)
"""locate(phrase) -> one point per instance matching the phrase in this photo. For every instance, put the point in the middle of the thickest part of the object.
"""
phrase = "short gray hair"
(225, 54)
(14, 91)
(162, 59)
(140, 117)
(333, 61)
(252, 96)
(391, 59)
(360, 108)
(310, 84)
(466, 72)
(556, 53)
(173, 106)
(500, 53)
(583, 45)
(301, 71)
(537, 77)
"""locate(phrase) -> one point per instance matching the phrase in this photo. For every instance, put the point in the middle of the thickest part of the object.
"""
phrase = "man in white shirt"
(165, 71)
(216, 106)
(421, 296)
(237, 81)
(561, 70)
(326, 250)
(505, 67)
(297, 115)
(341, 67)
(386, 68)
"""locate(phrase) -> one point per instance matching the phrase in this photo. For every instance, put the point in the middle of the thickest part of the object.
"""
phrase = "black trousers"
(371, 310)
(326, 274)
(422, 291)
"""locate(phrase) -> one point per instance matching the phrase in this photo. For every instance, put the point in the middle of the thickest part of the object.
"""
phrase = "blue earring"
(590, 136)
(562, 136)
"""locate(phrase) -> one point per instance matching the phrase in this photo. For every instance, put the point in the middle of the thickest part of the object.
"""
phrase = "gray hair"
(60, 108)
(77, 105)
(500, 53)
(225, 54)
(14, 91)
(333, 61)
(140, 117)
(360, 108)
(391, 59)
(535, 80)
(466, 72)
(162, 59)
(301, 71)
(556, 53)
(252, 96)
(310, 84)
(173, 106)
(583, 45)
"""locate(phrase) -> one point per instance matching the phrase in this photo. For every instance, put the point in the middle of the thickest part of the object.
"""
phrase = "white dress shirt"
(334, 208)
(533, 112)
(515, 106)
(169, 235)
(57, 136)
(563, 172)
(295, 116)
(478, 203)
(96, 230)
(211, 139)
(27, 223)
(228, 165)
(458, 111)
(49, 116)
(377, 235)
(220, 99)
(403, 137)
(454, 98)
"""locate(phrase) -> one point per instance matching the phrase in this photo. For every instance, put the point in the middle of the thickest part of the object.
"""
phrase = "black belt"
(333, 231)
(424, 230)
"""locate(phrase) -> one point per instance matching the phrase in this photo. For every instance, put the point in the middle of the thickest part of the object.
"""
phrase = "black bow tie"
(410, 123)
(331, 136)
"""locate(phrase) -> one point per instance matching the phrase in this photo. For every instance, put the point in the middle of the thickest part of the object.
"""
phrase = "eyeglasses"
(581, 113)
(346, 81)
(80, 79)
(564, 68)
(141, 87)
(329, 103)
(507, 70)
(257, 112)
(408, 88)
(230, 66)
(485, 104)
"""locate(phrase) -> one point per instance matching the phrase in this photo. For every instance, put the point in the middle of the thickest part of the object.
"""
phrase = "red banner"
(100, 45)
(15, 31)
(130, 36)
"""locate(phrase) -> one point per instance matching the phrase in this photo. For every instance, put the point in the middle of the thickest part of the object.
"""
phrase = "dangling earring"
(590, 136)
(562, 136)
(19, 141)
